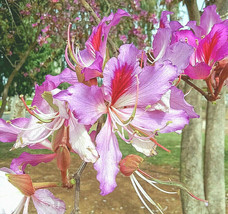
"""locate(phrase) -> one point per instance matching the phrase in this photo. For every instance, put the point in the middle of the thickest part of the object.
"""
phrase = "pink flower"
(123, 38)
(210, 42)
(35, 24)
(90, 60)
(139, 103)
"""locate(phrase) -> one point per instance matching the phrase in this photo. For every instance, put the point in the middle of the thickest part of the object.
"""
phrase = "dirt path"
(122, 201)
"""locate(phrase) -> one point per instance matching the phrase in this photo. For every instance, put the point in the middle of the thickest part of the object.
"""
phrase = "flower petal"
(179, 54)
(86, 103)
(119, 76)
(161, 42)
(81, 142)
(209, 18)
(178, 102)
(154, 81)
(45, 202)
(8, 133)
(199, 71)
(110, 156)
(10, 196)
(19, 164)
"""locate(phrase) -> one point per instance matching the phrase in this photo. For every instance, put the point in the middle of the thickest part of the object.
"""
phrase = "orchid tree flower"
(129, 166)
(137, 103)
(90, 61)
(51, 117)
(17, 190)
(163, 48)
(210, 42)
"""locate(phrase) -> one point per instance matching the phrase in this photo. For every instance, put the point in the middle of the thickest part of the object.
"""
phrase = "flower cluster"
(131, 96)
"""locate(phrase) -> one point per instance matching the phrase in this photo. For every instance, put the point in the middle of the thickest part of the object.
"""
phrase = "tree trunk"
(191, 144)
(192, 159)
(193, 11)
(12, 75)
(214, 176)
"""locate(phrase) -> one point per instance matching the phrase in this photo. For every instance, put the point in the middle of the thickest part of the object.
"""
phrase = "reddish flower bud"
(130, 164)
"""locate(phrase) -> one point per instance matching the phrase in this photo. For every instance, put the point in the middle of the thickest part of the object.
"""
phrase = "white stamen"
(139, 195)
(145, 194)
(153, 183)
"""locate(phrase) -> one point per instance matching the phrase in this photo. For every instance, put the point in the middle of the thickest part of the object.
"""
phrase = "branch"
(186, 79)
(77, 177)
(94, 15)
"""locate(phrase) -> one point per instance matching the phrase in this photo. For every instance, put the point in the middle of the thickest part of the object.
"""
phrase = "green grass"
(171, 141)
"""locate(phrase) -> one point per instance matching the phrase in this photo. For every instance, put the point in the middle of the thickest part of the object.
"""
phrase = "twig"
(9, 61)
(77, 177)
(186, 79)
(94, 15)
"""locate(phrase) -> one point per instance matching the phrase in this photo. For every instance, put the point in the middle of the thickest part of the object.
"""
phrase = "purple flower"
(91, 59)
(48, 117)
(138, 105)
(210, 42)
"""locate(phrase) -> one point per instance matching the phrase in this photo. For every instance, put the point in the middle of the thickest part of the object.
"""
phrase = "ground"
(123, 200)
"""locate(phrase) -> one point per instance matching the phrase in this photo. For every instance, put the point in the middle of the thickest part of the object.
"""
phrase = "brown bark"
(214, 176)
(192, 159)
(11, 77)
(193, 11)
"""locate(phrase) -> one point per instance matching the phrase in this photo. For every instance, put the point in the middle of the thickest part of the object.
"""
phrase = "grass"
(171, 141)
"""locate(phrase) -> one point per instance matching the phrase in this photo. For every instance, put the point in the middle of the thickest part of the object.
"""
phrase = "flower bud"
(130, 164)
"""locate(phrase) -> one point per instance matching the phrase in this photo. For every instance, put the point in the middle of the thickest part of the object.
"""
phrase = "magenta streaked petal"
(98, 39)
(161, 42)
(110, 156)
(86, 103)
(45, 202)
(178, 102)
(154, 81)
(209, 18)
(120, 83)
(81, 142)
(199, 71)
(8, 133)
(94, 70)
(214, 46)
(19, 164)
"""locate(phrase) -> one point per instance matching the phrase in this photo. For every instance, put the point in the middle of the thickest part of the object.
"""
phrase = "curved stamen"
(78, 54)
(49, 116)
(69, 44)
(151, 182)
(149, 199)
(67, 59)
(33, 114)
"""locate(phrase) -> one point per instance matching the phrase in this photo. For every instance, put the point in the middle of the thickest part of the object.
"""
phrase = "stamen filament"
(151, 182)
(139, 195)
